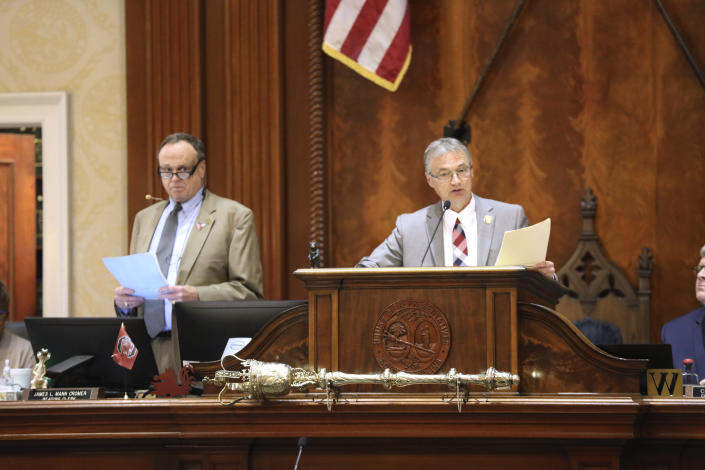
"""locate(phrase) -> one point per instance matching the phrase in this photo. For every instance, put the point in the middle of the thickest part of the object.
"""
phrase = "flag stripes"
(371, 37)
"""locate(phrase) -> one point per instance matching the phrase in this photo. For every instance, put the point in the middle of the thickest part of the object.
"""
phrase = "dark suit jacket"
(685, 335)
(412, 233)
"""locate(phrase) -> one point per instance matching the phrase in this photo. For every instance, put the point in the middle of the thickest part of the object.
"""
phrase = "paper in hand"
(139, 272)
(525, 246)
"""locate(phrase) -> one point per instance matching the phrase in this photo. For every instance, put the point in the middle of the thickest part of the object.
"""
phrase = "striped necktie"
(460, 245)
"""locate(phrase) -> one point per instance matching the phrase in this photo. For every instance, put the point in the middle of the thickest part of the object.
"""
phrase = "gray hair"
(440, 147)
(195, 142)
(702, 252)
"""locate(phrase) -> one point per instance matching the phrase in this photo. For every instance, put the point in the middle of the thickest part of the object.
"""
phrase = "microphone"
(445, 207)
(302, 443)
(149, 197)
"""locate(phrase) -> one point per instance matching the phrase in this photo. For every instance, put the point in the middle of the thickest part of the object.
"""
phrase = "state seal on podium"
(411, 336)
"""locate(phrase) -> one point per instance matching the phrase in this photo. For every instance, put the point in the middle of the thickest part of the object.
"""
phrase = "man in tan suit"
(206, 245)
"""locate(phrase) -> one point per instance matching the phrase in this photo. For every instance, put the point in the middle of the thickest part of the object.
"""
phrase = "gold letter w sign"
(664, 383)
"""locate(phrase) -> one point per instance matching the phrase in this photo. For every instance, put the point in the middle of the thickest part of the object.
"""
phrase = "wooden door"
(18, 264)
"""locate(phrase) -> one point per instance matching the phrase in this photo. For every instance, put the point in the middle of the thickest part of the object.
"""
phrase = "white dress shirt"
(187, 216)
(468, 218)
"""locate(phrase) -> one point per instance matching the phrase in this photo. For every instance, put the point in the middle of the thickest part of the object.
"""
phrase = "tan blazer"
(221, 258)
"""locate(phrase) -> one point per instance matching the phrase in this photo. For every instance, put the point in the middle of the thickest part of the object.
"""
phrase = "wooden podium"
(574, 408)
(494, 317)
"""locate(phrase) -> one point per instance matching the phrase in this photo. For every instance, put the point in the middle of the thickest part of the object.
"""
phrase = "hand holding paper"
(139, 272)
(526, 246)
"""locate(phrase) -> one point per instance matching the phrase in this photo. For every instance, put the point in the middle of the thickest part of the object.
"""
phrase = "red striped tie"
(460, 245)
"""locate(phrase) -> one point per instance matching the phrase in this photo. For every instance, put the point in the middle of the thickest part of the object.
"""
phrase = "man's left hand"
(178, 293)
(546, 268)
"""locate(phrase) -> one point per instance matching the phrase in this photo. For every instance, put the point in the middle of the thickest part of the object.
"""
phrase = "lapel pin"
(488, 219)
(200, 225)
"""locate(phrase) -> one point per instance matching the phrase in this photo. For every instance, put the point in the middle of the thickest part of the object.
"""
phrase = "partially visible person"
(686, 334)
(472, 229)
(599, 331)
(206, 245)
(15, 348)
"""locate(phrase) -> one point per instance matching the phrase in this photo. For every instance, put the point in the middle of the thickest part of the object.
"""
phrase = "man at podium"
(472, 227)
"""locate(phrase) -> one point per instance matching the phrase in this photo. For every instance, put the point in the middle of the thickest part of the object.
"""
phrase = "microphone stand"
(444, 208)
(302, 443)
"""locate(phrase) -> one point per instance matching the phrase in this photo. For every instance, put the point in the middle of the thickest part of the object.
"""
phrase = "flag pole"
(124, 383)
(124, 355)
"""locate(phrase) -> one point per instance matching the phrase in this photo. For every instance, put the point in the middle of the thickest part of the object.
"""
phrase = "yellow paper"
(525, 246)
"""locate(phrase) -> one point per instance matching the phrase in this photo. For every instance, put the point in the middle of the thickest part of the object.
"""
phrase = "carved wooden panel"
(554, 357)
(598, 293)
(163, 56)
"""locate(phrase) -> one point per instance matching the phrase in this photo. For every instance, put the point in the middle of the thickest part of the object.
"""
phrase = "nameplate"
(61, 394)
(664, 383)
(694, 391)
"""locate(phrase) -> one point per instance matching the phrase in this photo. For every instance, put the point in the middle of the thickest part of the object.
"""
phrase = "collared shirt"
(187, 217)
(468, 218)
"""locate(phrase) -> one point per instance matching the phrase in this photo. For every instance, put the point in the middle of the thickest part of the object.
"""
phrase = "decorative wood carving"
(411, 336)
(597, 287)
(556, 357)
(317, 154)
(498, 319)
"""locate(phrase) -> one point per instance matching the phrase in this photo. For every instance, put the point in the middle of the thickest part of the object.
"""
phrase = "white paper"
(140, 272)
(525, 246)
(234, 346)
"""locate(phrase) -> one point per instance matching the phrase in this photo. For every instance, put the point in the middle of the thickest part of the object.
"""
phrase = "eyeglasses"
(182, 174)
(444, 176)
(697, 269)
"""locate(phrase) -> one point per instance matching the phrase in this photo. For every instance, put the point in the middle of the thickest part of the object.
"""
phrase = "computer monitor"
(203, 328)
(67, 339)
(659, 355)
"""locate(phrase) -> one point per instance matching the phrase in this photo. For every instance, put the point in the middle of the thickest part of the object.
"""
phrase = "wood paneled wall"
(212, 69)
(584, 93)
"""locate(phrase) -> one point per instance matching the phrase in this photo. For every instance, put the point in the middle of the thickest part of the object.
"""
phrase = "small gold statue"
(40, 369)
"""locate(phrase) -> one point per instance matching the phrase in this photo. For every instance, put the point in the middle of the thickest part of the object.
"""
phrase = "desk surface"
(391, 431)
(398, 415)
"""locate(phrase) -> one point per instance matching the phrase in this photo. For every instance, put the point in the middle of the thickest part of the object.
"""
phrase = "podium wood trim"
(498, 317)
(502, 350)
(323, 329)
(345, 303)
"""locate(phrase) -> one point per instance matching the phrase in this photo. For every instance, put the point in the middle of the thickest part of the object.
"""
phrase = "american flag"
(371, 37)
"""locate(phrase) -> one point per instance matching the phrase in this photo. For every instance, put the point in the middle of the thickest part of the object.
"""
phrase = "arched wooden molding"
(597, 287)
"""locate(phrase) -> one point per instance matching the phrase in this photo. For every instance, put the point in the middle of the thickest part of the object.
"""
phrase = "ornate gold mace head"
(263, 380)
